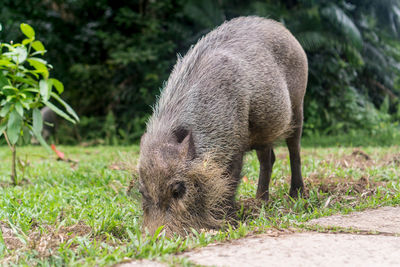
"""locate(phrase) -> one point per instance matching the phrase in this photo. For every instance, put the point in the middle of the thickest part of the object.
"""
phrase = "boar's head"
(179, 190)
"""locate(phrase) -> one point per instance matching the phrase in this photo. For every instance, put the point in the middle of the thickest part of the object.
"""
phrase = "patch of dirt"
(11, 240)
(359, 153)
(342, 186)
(118, 166)
(22, 182)
(282, 156)
(51, 238)
(361, 160)
(43, 239)
(92, 143)
(340, 189)
(357, 159)
(390, 159)
(331, 190)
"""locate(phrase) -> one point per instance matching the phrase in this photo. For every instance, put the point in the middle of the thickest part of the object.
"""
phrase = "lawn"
(81, 213)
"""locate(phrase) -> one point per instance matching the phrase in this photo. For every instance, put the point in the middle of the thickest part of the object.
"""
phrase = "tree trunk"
(13, 166)
(14, 159)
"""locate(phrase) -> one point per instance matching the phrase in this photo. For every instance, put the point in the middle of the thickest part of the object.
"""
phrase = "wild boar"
(241, 87)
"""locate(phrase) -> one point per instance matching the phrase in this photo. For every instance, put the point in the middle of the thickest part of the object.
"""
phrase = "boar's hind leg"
(293, 143)
(266, 157)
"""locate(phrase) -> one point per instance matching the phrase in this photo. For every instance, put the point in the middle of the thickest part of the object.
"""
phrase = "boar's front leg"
(266, 157)
(234, 171)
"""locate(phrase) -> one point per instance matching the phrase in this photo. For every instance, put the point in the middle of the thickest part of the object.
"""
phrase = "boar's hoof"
(295, 192)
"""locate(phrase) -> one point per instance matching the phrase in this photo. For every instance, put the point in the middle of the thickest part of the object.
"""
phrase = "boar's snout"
(196, 195)
(152, 220)
(166, 208)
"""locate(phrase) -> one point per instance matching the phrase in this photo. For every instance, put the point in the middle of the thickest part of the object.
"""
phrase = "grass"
(66, 213)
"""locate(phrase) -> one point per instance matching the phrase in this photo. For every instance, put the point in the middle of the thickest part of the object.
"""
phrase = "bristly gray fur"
(247, 74)
(241, 87)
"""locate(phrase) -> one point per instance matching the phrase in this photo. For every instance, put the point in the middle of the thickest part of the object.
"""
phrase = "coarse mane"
(182, 81)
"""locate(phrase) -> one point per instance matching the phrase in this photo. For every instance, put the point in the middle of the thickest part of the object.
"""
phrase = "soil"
(44, 239)
(357, 159)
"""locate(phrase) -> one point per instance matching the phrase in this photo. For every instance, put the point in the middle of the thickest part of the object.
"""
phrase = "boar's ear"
(187, 146)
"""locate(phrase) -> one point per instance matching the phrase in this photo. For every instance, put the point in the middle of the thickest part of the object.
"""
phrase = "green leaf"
(1, 27)
(157, 233)
(44, 90)
(313, 40)
(21, 68)
(28, 81)
(40, 60)
(37, 120)
(5, 62)
(26, 41)
(4, 111)
(26, 102)
(27, 30)
(39, 137)
(66, 106)
(38, 53)
(9, 87)
(59, 111)
(3, 126)
(130, 234)
(3, 80)
(33, 73)
(58, 85)
(43, 72)
(10, 97)
(23, 96)
(31, 89)
(339, 19)
(40, 65)
(10, 47)
(38, 46)
(19, 109)
(26, 134)
(14, 127)
(19, 54)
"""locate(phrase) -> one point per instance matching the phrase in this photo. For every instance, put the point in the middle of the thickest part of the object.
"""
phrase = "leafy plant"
(25, 86)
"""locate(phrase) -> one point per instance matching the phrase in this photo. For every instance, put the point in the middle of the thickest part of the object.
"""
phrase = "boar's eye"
(178, 189)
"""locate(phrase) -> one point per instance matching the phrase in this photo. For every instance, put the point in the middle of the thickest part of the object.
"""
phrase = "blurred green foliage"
(113, 56)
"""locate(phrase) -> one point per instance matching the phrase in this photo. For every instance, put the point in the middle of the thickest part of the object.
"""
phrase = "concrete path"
(384, 220)
(378, 244)
(303, 249)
